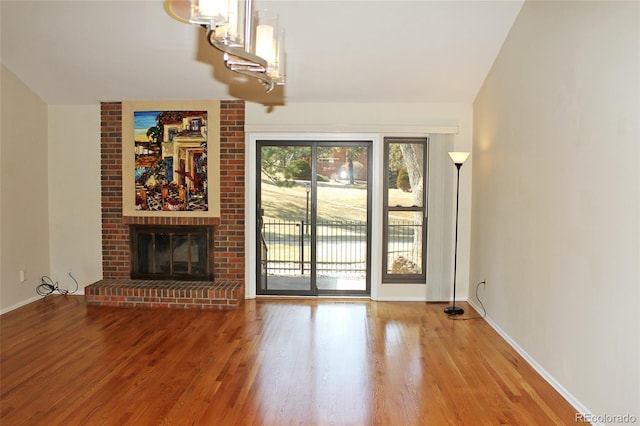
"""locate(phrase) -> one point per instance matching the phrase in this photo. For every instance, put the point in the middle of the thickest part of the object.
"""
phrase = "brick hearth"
(165, 294)
(116, 288)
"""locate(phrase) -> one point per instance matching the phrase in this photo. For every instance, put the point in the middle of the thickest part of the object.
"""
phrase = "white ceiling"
(80, 52)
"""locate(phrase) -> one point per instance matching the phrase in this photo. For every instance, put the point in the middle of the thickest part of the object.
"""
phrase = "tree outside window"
(404, 258)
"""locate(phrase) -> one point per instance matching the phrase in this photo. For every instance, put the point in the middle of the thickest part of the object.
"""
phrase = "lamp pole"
(458, 159)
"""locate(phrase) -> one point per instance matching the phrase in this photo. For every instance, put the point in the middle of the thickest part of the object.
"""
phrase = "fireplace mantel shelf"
(171, 220)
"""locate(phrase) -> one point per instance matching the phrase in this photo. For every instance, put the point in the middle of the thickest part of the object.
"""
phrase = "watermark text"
(606, 418)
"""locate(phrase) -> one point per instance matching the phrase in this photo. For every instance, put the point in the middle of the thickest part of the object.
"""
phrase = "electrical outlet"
(23, 275)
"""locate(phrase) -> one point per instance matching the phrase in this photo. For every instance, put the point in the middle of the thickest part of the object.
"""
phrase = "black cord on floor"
(484, 310)
(47, 287)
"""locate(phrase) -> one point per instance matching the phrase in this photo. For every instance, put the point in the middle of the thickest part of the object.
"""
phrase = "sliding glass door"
(313, 217)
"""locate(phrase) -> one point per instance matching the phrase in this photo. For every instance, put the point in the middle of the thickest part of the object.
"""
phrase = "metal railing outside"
(401, 236)
(342, 246)
(402, 245)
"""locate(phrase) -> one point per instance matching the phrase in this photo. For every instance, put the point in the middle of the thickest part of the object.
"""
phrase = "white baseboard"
(580, 408)
(20, 304)
(399, 299)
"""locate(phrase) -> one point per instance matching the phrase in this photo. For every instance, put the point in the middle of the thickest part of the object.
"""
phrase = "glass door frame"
(313, 144)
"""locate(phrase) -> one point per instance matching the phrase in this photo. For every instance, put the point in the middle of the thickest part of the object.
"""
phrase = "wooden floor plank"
(268, 362)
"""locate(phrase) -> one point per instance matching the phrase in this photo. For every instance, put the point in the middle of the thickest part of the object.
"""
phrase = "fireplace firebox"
(171, 252)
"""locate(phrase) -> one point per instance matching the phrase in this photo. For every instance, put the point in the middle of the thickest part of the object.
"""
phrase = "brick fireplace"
(228, 254)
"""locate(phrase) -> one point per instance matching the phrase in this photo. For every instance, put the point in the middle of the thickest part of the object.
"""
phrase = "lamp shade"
(225, 17)
(459, 157)
(205, 12)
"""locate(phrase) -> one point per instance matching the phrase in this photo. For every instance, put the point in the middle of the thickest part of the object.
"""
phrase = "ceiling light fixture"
(231, 25)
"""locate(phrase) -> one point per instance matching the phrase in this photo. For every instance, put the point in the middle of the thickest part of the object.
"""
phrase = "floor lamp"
(458, 159)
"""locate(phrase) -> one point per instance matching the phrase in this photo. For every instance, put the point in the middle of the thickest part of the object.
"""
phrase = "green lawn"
(336, 201)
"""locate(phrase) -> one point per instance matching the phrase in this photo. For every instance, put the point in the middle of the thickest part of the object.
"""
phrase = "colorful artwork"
(170, 160)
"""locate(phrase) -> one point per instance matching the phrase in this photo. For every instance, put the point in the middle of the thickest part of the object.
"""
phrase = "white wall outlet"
(23, 275)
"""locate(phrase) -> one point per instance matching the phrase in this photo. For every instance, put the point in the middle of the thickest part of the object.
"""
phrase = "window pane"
(405, 210)
(404, 243)
(405, 172)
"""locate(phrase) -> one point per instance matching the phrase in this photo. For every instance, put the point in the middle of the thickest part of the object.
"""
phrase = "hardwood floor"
(269, 362)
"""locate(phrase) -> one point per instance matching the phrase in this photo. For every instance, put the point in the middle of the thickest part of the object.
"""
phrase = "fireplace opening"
(171, 252)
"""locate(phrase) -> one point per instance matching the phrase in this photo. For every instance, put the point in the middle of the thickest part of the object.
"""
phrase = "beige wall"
(74, 194)
(556, 203)
(24, 223)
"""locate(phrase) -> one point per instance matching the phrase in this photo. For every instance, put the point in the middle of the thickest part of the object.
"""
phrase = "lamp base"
(453, 310)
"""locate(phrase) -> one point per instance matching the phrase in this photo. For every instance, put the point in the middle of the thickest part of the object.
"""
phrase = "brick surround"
(229, 228)
(165, 294)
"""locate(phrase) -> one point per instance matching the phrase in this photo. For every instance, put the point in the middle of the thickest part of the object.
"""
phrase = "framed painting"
(170, 158)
